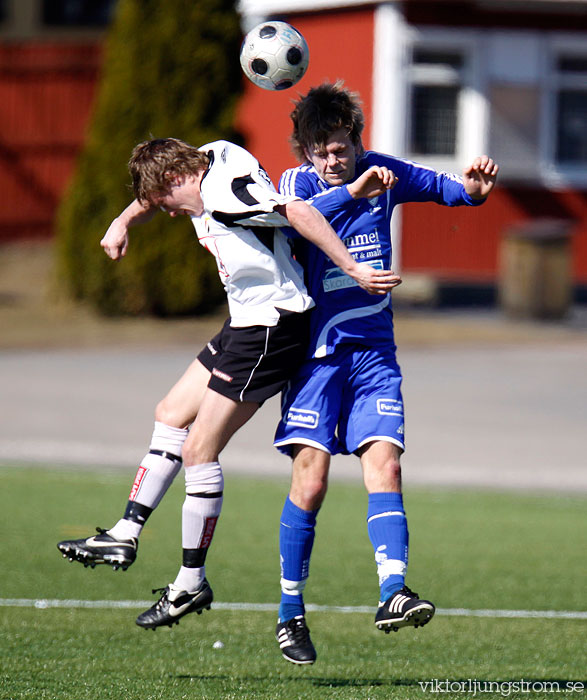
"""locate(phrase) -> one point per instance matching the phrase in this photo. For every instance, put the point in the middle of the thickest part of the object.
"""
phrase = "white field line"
(42, 603)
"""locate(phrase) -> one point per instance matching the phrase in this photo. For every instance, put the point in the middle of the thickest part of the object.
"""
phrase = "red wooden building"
(46, 93)
(440, 81)
(50, 57)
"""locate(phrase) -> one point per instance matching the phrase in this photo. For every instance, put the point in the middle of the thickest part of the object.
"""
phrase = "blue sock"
(388, 532)
(296, 538)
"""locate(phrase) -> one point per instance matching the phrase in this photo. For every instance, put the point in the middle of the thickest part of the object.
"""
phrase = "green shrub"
(170, 69)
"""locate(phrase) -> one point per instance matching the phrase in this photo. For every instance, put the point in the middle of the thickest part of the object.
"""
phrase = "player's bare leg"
(180, 406)
(309, 477)
(380, 461)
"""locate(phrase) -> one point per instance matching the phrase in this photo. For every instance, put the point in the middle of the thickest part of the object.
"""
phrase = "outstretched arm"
(479, 178)
(115, 241)
(310, 223)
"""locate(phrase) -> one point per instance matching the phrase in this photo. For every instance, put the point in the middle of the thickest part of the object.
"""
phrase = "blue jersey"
(344, 312)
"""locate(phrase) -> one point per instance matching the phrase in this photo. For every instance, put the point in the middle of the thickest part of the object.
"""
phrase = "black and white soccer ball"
(274, 55)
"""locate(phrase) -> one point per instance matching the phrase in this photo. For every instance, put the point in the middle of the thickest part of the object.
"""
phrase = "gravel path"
(503, 416)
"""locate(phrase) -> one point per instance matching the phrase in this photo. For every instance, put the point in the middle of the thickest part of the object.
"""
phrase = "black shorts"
(255, 362)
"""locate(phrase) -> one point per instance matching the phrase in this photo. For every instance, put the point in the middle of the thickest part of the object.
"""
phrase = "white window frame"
(559, 175)
(471, 105)
(474, 108)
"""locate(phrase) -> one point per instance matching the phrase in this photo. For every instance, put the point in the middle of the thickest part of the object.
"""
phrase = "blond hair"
(154, 166)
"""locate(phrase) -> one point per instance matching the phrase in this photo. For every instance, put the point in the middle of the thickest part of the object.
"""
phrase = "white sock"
(156, 473)
(189, 579)
(125, 530)
(200, 512)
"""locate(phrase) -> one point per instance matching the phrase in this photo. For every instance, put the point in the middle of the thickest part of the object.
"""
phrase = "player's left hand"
(375, 281)
(479, 178)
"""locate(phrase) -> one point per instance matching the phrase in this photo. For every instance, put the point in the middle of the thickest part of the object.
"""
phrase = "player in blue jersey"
(346, 398)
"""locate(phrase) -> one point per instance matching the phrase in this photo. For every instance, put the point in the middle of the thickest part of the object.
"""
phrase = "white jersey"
(240, 228)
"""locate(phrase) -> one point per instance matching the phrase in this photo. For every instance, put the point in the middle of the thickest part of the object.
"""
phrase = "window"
(520, 96)
(537, 94)
(514, 128)
(436, 84)
(571, 111)
(77, 13)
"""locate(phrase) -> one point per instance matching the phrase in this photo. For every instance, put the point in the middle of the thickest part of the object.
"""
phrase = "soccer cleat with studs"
(293, 637)
(101, 549)
(174, 604)
(403, 609)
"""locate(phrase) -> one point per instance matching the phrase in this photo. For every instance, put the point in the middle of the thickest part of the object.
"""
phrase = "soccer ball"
(274, 55)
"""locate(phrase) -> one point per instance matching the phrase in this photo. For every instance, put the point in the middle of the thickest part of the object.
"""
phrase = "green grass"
(468, 550)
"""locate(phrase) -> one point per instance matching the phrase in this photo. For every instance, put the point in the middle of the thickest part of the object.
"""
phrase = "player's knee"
(317, 490)
(383, 477)
(310, 492)
(163, 414)
(310, 477)
(167, 413)
(389, 476)
(395, 471)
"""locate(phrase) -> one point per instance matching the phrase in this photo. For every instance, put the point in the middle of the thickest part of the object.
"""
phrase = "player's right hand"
(373, 182)
(115, 241)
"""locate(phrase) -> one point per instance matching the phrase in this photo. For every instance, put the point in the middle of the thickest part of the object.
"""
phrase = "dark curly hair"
(324, 110)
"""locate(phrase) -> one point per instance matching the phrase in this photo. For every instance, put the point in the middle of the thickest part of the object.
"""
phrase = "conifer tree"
(170, 69)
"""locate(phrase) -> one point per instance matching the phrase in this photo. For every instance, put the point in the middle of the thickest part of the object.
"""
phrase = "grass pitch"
(468, 550)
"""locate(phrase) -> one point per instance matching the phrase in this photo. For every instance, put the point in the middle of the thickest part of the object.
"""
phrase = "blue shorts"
(343, 401)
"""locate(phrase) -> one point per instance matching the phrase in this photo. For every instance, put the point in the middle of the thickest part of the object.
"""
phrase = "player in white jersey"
(346, 397)
(237, 214)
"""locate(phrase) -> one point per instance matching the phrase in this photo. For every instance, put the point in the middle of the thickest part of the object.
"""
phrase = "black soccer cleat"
(101, 549)
(294, 641)
(403, 609)
(174, 604)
